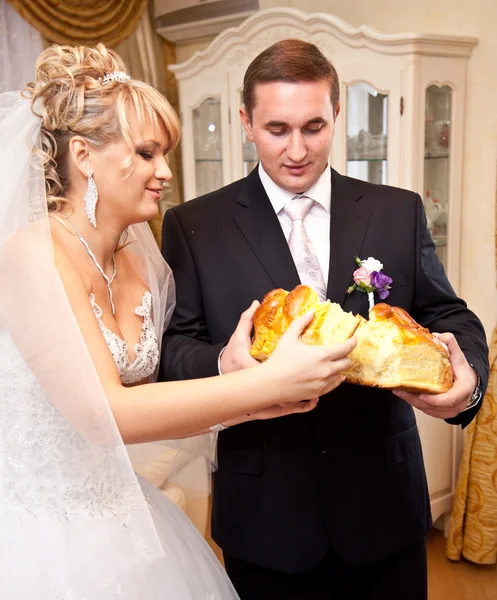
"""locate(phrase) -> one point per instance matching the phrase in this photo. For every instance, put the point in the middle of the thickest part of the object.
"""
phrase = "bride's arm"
(181, 408)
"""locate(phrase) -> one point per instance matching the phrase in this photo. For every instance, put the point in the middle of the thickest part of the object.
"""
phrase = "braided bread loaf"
(393, 351)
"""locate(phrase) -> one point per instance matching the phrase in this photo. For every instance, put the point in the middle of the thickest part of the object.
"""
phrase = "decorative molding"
(202, 99)
(268, 26)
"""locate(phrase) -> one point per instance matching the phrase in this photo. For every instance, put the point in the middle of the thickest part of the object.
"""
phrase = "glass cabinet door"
(249, 151)
(367, 134)
(250, 156)
(437, 165)
(208, 146)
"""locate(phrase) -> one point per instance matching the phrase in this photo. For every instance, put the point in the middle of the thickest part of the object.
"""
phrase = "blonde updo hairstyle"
(70, 97)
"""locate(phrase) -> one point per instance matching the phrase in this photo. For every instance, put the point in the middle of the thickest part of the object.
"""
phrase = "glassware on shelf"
(367, 133)
(365, 146)
(207, 130)
(208, 145)
(443, 134)
(437, 121)
(437, 139)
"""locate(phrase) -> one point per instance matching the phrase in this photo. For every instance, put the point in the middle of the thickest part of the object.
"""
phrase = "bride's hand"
(306, 371)
(276, 411)
(283, 410)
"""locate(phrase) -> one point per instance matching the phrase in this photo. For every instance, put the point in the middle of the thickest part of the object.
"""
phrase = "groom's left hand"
(236, 354)
(451, 403)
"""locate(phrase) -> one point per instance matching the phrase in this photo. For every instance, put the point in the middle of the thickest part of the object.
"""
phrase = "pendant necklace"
(92, 256)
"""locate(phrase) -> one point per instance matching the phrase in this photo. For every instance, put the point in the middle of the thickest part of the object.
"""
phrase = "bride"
(85, 297)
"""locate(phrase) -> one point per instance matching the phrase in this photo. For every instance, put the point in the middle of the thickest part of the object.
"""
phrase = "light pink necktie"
(301, 247)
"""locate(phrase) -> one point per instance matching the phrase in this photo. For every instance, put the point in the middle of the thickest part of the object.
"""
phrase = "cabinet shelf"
(435, 156)
(208, 160)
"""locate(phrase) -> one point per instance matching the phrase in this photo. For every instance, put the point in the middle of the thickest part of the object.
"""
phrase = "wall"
(453, 17)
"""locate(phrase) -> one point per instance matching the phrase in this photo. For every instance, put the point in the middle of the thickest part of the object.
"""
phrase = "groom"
(332, 503)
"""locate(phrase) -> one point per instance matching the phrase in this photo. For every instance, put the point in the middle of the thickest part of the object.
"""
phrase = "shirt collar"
(320, 191)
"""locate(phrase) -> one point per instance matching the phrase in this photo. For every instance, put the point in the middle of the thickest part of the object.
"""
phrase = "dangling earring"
(91, 199)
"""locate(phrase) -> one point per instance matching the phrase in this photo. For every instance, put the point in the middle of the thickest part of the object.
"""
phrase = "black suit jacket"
(350, 473)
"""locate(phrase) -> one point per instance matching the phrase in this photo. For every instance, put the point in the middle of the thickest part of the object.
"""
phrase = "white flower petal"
(371, 264)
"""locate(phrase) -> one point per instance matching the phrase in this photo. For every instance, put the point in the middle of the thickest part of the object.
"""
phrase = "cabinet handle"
(401, 105)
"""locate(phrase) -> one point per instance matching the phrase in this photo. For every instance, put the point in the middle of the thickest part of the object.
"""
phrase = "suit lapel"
(260, 226)
(348, 226)
(255, 217)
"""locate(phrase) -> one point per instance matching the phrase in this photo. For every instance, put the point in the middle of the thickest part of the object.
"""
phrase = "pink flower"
(362, 275)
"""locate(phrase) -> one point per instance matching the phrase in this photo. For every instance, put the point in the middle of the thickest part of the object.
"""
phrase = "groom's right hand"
(236, 355)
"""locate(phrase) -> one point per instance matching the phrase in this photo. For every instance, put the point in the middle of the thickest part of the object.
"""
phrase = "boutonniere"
(368, 278)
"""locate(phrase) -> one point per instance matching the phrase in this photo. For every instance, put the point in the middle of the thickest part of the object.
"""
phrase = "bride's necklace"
(92, 256)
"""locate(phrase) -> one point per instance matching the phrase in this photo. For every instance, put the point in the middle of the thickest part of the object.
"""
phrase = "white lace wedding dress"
(33, 437)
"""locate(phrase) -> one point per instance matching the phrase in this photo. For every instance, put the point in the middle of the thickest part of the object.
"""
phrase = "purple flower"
(383, 293)
(380, 281)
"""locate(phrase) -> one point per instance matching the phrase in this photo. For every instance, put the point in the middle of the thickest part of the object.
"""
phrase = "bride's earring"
(91, 199)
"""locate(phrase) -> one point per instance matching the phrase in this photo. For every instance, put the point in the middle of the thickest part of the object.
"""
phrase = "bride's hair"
(70, 97)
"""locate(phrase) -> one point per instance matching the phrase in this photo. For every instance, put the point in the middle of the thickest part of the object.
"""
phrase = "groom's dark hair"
(291, 61)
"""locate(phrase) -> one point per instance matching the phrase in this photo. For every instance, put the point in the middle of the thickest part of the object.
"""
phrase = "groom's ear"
(79, 154)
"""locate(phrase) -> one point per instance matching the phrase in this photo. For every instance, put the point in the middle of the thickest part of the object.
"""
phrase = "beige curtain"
(77, 22)
(473, 525)
(145, 53)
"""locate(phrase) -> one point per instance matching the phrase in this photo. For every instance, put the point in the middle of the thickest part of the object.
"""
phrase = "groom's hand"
(236, 355)
(451, 403)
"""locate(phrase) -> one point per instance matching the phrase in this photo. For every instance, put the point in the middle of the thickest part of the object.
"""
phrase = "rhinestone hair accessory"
(120, 76)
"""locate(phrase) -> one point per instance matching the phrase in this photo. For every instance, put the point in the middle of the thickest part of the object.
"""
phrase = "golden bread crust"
(279, 308)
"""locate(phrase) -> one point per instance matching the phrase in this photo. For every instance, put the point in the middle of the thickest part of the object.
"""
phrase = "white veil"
(73, 519)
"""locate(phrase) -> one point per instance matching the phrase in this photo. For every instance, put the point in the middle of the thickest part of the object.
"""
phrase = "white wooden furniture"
(401, 123)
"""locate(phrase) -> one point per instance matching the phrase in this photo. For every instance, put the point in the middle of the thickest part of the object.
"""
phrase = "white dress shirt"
(317, 221)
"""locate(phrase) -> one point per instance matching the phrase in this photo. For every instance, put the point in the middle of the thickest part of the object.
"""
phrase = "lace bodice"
(146, 352)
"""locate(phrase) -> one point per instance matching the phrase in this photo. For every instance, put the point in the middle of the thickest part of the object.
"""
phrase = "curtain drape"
(76, 22)
(146, 53)
(473, 525)
(20, 45)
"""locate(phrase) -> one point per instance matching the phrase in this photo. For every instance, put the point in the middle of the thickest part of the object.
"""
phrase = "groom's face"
(292, 127)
